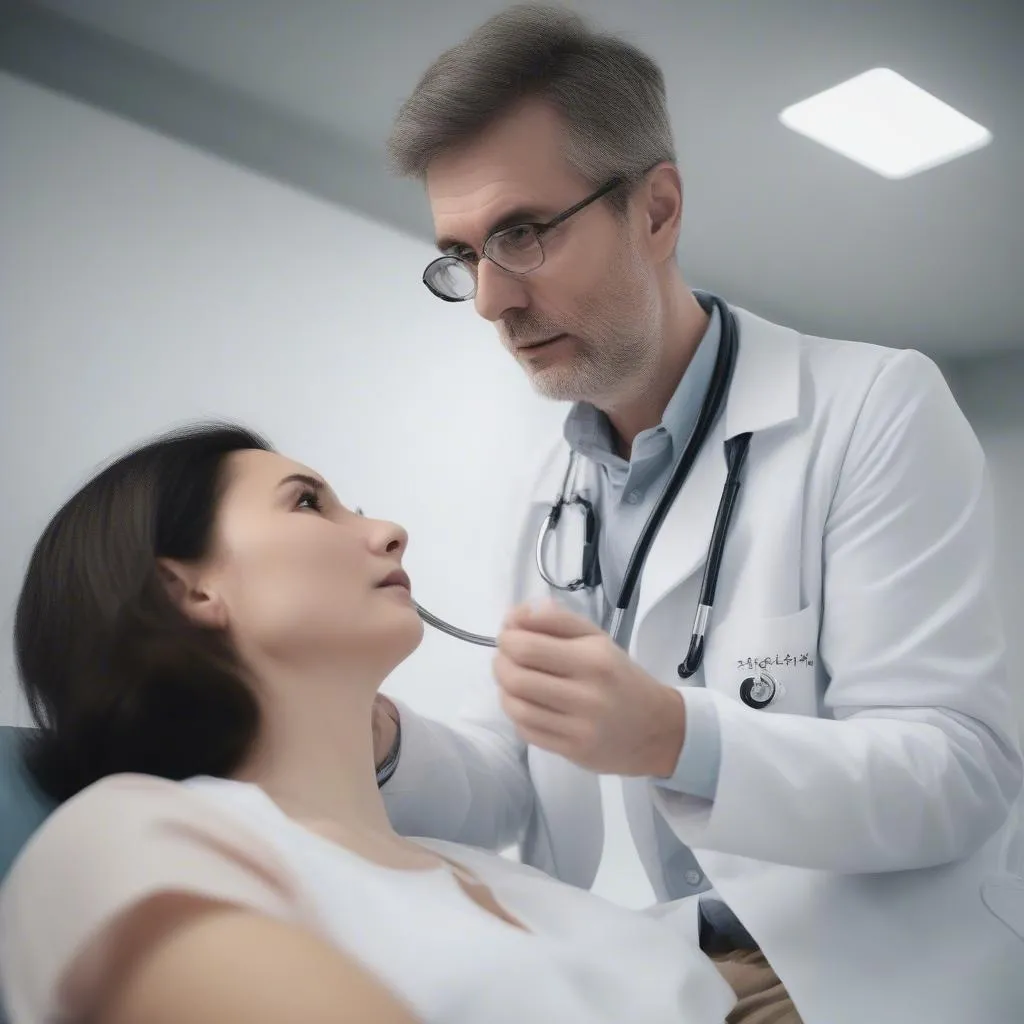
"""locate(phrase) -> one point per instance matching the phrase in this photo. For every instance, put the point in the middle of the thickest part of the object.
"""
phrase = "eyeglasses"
(516, 249)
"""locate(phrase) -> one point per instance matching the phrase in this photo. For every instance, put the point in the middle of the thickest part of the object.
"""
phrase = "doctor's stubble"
(617, 325)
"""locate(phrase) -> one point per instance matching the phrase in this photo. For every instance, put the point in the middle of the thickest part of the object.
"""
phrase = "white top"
(582, 960)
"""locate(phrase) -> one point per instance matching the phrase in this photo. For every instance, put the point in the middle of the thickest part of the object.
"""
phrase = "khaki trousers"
(762, 998)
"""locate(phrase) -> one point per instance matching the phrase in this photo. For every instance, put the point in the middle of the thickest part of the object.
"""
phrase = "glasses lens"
(516, 249)
(450, 277)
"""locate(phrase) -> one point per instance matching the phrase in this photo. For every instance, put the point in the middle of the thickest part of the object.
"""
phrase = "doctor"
(833, 796)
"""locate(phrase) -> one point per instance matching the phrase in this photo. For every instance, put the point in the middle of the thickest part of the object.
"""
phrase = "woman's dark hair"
(118, 678)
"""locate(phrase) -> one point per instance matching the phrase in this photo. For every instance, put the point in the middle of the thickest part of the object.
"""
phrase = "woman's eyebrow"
(304, 478)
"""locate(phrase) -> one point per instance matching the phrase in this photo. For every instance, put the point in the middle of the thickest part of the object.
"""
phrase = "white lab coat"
(867, 827)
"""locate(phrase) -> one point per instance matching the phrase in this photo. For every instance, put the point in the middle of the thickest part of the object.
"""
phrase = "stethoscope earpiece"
(694, 656)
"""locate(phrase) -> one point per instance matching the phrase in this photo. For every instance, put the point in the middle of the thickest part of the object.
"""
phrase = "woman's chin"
(417, 631)
(408, 636)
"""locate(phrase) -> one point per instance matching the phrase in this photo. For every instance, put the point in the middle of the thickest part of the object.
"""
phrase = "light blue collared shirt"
(624, 493)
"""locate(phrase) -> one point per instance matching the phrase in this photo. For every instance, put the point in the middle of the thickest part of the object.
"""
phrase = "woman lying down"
(201, 633)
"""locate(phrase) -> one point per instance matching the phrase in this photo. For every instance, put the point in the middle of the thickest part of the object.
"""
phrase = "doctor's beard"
(617, 350)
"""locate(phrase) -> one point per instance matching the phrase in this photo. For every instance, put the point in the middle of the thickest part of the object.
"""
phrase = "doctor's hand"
(570, 689)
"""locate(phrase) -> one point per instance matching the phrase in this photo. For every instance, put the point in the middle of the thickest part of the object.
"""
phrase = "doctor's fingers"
(551, 618)
(575, 657)
(541, 726)
(541, 689)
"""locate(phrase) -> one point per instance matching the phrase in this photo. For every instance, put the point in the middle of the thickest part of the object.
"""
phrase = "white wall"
(146, 284)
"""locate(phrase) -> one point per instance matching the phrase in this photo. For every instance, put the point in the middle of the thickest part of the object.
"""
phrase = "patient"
(200, 636)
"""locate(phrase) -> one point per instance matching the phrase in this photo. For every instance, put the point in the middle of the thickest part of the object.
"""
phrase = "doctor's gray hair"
(610, 95)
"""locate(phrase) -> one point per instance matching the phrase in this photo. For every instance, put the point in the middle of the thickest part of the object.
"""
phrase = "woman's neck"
(314, 757)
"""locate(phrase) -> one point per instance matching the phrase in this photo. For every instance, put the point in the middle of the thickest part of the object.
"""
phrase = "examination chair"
(22, 807)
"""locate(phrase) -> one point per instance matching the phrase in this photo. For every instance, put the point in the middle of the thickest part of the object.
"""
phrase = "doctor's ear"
(196, 602)
(662, 199)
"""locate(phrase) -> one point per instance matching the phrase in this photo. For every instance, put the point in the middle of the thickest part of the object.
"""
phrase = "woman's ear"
(193, 599)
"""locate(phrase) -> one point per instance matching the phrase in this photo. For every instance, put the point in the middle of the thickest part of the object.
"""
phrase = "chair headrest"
(23, 808)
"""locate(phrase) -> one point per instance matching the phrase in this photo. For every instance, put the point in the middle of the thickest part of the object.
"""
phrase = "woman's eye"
(314, 501)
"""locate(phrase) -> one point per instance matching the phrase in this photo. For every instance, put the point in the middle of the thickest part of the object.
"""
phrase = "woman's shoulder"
(117, 851)
(123, 801)
(127, 787)
(127, 815)
(112, 796)
(123, 788)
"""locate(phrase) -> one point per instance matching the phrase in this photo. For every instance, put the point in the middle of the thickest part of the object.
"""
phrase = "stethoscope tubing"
(736, 450)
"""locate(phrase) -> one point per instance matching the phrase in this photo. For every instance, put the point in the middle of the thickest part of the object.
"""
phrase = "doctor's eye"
(521, 236)
(313, 498)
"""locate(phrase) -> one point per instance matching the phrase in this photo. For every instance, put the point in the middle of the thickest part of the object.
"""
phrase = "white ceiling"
(772, 221)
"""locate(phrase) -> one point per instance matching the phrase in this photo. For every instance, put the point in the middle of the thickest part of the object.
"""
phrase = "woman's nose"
(392, 538)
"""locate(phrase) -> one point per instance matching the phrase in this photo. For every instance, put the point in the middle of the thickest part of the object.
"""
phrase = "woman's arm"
(206, 962)
(141, 901)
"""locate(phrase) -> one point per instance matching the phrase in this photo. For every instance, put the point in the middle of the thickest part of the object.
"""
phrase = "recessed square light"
(886, 123)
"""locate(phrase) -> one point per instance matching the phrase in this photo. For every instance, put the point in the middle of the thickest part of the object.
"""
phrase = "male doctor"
(852, 852)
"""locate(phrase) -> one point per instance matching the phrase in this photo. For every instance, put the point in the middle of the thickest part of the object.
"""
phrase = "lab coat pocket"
(770, 664)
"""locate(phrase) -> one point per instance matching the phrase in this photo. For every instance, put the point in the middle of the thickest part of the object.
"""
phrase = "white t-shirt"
(582, 960)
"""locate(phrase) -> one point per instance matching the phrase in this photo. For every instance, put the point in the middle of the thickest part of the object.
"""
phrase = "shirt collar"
(589, 433)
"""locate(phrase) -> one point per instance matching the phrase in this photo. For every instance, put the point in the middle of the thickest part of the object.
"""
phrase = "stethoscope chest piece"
(758, 690)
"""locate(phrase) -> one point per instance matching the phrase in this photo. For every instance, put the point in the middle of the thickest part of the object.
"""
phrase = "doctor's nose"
(497, 291)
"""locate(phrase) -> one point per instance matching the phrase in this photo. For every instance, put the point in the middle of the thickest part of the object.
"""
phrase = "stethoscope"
(758, 691)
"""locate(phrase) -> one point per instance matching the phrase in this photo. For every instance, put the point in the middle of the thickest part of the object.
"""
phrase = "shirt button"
(633, 497)
(693, 877)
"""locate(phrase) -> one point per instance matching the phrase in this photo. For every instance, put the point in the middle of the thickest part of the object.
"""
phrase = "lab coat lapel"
(681, 544)
(570, 795)
(765, 392)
